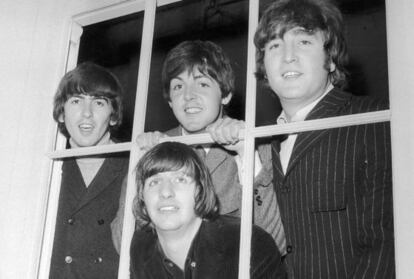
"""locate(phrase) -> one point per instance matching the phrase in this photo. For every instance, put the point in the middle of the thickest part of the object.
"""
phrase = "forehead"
(193, 72)
(173, 173)
(282, 31)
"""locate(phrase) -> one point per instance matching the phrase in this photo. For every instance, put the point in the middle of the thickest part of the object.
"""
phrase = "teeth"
(192, 110)
(168, 208)
(85, 126)
(290, 74)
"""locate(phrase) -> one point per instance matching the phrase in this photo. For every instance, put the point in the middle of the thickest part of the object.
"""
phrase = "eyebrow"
(302, 30)
(83, 96)
(200, 75)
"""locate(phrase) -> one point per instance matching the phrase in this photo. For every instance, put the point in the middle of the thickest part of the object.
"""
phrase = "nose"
(289, 53)
(87, 109)
(189, 93)
(166, 190)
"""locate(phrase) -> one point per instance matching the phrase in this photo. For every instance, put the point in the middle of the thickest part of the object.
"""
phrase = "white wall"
(33, 39)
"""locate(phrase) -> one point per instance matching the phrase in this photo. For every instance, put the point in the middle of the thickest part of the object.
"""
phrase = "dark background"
(115, 44)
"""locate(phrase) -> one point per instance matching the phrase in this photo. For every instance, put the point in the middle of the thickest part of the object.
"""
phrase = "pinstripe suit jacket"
(336, 196)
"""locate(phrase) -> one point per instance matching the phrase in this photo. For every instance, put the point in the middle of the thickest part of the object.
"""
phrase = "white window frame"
(249, 134)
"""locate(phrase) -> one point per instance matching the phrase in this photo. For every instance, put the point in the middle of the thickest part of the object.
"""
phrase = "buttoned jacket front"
(83, 245)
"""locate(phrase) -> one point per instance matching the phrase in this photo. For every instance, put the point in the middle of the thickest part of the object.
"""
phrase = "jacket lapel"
(329, 106)
(277, 166)
(108, 172)
(215, 157)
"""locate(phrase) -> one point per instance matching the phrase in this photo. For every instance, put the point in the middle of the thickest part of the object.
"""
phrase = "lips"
(168, 208)
(86, 127)
(291, 74)
(192, 109)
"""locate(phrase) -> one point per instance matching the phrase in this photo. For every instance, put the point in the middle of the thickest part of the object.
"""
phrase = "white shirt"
(286, 146)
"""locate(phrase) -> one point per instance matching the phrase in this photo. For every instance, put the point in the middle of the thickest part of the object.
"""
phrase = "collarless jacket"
(216, 253)
(336, 196)
(224, 173)
(83, 245)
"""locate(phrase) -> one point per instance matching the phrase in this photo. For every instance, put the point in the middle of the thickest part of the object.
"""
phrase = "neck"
(177, 244)
(106, 139)
(292, 106)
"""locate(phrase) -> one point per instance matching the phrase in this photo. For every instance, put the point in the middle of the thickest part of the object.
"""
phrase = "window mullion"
(56, 168)
(138, 127)
(247, 193)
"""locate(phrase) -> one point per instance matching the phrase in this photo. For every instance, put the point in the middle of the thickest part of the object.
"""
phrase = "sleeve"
(266, 208)
(376, 236)
(266, 261)
(117, 223)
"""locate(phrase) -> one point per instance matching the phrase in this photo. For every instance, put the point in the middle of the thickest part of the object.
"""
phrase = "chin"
(194, 130)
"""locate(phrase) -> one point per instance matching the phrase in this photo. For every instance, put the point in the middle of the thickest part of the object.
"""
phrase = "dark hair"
(312, 15)
(206, 56)
(173, 156)
(88, 79)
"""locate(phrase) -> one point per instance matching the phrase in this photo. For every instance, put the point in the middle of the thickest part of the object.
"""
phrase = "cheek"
(174, 104)
(268, 62)
(148, 200)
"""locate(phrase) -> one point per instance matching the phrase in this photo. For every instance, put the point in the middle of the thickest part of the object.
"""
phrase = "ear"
(61, 119)
(332, 67)
(113, 122)
(227, 99)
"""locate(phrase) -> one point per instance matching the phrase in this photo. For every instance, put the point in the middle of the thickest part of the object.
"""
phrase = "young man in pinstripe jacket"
(333, 186)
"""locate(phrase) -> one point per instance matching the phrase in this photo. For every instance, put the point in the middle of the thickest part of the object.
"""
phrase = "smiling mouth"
(168, 208)
(291, 75)
(192, 110)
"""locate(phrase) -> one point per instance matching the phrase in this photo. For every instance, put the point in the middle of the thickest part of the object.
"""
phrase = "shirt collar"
(301, 114)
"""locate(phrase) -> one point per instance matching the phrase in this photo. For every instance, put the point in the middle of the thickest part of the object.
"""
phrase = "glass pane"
(91, 186)
(116, 44)
(365, 36)
(222, 22)
(333, 186)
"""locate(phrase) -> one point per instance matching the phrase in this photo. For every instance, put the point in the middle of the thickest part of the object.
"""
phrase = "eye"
(305, 42)
(183, 179)
(74, 100)
(177, 87)
(151, 182)
(273, 45)
(204, 84)
(101, 102)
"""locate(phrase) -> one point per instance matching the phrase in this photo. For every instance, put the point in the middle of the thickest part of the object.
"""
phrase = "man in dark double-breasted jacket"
(87, 106)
